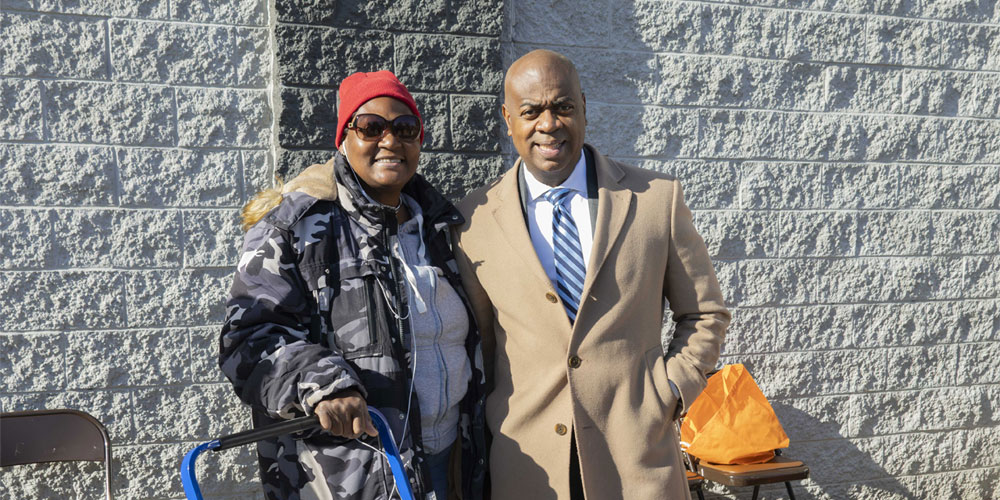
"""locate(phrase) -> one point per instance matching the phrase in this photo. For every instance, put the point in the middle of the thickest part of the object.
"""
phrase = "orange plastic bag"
(731, 421)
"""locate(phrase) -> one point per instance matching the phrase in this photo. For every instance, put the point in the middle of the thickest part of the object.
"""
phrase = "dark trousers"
(575, 481)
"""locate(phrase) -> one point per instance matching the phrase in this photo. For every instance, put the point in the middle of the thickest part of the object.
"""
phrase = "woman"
(347, 295)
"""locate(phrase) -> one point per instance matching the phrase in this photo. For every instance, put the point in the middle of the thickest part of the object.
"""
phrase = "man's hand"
(346, 415)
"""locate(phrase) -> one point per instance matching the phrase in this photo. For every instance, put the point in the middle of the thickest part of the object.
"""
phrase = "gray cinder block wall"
(840, 157)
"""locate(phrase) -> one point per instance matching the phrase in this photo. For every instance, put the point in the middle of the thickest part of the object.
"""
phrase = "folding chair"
(42, 436)
(778, 470)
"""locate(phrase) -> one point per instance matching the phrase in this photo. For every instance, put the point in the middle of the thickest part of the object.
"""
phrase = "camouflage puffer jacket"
(310, 314)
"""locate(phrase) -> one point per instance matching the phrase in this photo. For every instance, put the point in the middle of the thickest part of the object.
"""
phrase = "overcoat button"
(551, 297)
(574, 361)
(561, 429)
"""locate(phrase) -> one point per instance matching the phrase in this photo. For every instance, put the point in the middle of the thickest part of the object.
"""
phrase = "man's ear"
(506, 116)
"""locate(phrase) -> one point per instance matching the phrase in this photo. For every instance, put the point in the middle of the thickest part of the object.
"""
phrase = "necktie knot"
(557, 196)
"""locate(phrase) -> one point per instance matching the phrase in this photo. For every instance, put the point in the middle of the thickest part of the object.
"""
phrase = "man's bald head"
(546, 114)
(535, 63)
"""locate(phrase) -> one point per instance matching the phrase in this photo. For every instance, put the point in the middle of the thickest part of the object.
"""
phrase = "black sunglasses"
(372, 127)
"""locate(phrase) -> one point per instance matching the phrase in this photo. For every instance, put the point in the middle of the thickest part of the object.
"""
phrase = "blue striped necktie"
(566, 250)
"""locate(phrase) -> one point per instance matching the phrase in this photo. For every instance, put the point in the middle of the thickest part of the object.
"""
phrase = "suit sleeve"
(699, 310)
(264, 348)
(482, 307)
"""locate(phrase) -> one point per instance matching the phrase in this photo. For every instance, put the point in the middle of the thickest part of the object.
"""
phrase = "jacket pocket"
(354, 312)
(657, 369)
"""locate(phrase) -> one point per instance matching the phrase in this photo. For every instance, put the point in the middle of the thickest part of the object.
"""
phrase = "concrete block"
(884, 7)
(111, 408)
(204, 346)
(975, 320)
(64, 299)
(193, 412)
(41, 45)
(968, 11)
(932, 92)
(658, 131)
(292, 162)
(743, 31)
(965, 233)
(881, 413)
(557, 22)
(824, 136)
(144, 9)
(896, 138)
(970, 445)
(56, 175)
(212, 238)
(751, 331)
(49, 480)
(860, 186)
(147, 238)
(979, 96)
(817, 373)
(817, 234)
(779, 282)
(177, 177)
(928, 323)
(130, 358)
(85, 238)
(454, 175)
(325, 56)
(954, 408)
(970, 46)
(976, 363)
(153, 297)
(434, 110)
(863, 89)
(647, 25)
(223, 118)
(159, 52)
(915, 453)
(904, 42)
(252, 57)
(476, 124)
(258, 172)
(780, 186)
(813, 328)
(982, 277)
(110, 113)
(895, 233)
(21, 109)
(243, 12)
(448, 63)
(825, 37)
(742, 134)
(748, 83)
(736, 235)
(308, 117)
(808, 419)
(830, 461)
(33, 361)
(477, 16)
(26, 239)
(921, 367)
(707, 185)
(891, 279)
(728, 274)
(153, 468)
(953, 186)
(969, 141)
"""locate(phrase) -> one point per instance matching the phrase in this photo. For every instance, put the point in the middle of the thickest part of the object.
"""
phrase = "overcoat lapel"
(613, 204)
(510, 222)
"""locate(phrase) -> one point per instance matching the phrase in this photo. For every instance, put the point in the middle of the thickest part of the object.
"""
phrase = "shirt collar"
(576, 181)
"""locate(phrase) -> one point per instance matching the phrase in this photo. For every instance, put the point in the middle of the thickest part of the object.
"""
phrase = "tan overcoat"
(604, 378)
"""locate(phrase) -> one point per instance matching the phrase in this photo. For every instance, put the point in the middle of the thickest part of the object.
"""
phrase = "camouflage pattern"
(310, 313)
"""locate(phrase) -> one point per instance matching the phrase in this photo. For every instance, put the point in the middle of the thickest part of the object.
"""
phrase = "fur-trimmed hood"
(317, 180)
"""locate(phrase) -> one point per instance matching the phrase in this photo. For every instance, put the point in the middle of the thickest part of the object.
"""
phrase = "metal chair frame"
(43, 436)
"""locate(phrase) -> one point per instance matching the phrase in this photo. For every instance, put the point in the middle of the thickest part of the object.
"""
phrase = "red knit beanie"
(360, 88)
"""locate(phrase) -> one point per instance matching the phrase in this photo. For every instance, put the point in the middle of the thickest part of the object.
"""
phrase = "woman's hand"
(346, 415)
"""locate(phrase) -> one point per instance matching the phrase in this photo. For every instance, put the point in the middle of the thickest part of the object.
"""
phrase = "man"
(569, 258)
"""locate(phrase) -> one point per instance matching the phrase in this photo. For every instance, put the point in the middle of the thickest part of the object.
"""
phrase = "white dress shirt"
(540, 216)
